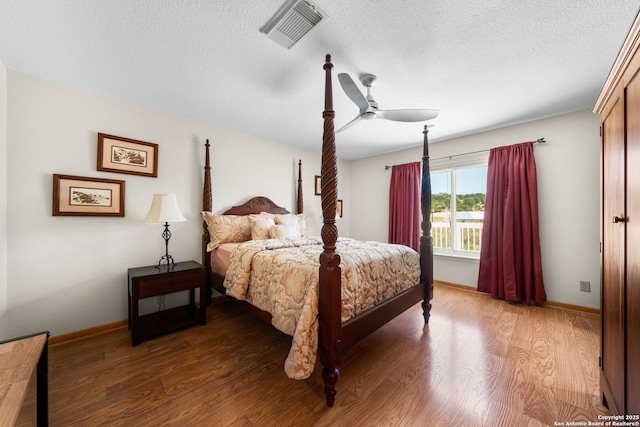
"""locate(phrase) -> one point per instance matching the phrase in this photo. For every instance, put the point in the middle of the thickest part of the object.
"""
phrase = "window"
(457, 209)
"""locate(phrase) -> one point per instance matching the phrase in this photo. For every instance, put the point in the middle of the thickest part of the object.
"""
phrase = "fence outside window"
(468, 234)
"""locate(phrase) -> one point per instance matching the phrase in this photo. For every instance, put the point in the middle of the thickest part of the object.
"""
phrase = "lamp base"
(166, 259)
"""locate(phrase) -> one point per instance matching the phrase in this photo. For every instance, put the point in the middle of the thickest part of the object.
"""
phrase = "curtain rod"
(537, 141)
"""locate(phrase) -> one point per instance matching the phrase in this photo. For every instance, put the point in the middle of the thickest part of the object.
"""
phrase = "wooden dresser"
(619, 108)
(19, 359)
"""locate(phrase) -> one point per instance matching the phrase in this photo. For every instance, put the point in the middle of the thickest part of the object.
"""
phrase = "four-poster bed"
(341, 301)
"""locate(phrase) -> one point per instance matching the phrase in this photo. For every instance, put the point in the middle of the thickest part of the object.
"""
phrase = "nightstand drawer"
(166, 284)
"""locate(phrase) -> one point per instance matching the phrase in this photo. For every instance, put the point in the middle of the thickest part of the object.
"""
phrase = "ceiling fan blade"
(351, 123)
(407, 115)
(353, 92)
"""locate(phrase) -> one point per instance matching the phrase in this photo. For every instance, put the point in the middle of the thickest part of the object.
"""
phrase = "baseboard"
(96, 330)
(84, 333)
(454, 285)
(554, 304)
(566, 306)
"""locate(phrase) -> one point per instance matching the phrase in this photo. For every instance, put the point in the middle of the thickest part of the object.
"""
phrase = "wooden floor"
(479, 362)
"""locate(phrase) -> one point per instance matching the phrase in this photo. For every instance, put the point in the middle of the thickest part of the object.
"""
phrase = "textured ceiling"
(484, 64)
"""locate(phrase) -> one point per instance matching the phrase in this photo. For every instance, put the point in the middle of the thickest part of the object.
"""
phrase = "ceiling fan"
(369, 107)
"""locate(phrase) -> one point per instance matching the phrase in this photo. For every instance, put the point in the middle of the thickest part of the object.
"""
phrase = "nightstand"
(151, 281)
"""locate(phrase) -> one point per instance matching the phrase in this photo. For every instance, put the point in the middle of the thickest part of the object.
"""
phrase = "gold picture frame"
(84, 196)
(124, 155)
(318, 185)
(339, 207)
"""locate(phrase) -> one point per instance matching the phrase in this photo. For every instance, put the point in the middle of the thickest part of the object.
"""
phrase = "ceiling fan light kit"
(369, 107)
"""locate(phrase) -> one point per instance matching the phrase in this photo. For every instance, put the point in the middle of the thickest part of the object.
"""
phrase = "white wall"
(3, 198)
(568, 197)
(69, 273)
(65, 274)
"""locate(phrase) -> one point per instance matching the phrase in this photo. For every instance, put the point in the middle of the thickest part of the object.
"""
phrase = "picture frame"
(339, 208)
(124, 155)
(84, 196)
(318, 185)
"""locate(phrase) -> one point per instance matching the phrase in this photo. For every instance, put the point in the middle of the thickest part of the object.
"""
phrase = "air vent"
(294, 20)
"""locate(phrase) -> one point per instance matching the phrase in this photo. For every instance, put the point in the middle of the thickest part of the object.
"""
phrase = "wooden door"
(633, 246)
(613, 257)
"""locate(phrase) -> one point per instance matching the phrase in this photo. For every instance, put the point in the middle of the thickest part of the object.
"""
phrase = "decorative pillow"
(302, 225)
(226, 229)
(297, 220)
(261, 227)
(284, 231)
(266, 214)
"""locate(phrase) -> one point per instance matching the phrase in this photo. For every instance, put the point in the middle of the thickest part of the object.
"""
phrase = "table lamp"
(164, 208)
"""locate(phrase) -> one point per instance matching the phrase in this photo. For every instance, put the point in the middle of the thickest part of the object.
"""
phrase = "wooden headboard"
(255, 206)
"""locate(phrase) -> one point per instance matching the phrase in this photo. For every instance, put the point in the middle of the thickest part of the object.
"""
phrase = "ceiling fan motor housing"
(372, 102)
(368, 80)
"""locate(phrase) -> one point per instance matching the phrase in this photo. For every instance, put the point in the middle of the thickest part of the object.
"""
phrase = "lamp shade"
(164, 208)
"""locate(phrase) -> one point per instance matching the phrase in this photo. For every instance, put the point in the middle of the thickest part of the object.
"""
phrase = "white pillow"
(297, 220)
(284, 231)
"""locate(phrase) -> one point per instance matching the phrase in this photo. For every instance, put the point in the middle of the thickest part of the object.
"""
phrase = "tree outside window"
(457, 210)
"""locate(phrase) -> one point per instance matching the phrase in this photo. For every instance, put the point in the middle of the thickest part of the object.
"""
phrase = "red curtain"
(510, 259)
(404, 205)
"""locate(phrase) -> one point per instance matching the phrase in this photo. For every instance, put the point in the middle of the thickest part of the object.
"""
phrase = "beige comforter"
(281, 277)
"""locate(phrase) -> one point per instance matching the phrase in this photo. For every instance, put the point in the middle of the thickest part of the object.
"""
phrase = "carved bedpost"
(330, 343)
(426, 244)
(207, 206)
(206, 193)
(299, 200)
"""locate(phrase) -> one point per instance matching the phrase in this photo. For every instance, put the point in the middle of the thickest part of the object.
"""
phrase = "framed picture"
(123, 155)
(318, 185)
(339, 207)
(82, 196)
